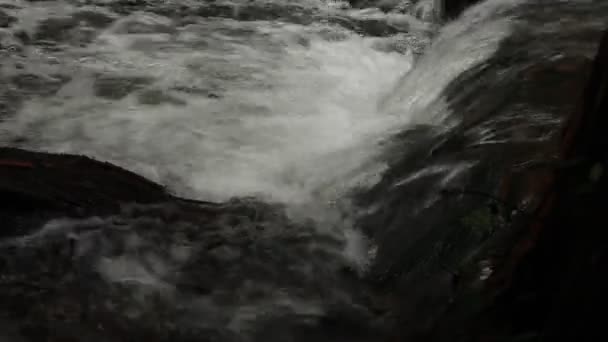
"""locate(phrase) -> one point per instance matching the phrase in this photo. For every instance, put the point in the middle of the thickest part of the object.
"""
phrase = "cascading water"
(292, 108)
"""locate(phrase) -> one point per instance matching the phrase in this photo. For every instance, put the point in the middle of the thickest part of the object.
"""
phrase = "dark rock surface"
(42, 186)
(550, 285)
(452, 8)
(486, 177)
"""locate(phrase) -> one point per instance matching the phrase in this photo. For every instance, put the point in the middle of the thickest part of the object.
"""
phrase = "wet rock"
(362, 3)
(96, 18)
(522, 81)
(68, 179)
(6, 20)
(388, 5)
(376, 28)
(551, 263)
(39, 84)
(156, 97)
(118, 87)
(452, 8)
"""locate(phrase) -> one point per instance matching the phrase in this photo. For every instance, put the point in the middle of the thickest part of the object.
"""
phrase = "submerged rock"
(6, 20)
(115, 87)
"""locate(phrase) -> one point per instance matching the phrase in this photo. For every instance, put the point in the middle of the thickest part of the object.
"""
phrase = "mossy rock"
(481, 222)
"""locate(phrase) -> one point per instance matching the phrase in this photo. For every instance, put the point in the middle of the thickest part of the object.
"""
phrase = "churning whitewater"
(216, 108)
(288, 102)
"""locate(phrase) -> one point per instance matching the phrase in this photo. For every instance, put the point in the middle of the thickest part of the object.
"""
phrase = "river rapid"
(292, 103)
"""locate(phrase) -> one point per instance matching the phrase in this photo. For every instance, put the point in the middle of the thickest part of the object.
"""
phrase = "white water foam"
(295, 110)
(297, 115)
(286, 112)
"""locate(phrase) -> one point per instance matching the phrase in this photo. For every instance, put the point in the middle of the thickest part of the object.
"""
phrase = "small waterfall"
(293, 110)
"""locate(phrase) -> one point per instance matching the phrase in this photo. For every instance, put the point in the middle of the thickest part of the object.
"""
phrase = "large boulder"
(487, 177)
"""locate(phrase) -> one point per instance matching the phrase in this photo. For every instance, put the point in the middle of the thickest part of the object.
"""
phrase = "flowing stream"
(290, 102)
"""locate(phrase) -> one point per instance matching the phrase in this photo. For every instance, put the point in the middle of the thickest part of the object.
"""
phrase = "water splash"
(265, 109)
(216, 108)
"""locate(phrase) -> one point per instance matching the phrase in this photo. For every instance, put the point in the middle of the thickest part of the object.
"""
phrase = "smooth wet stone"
(377, 28)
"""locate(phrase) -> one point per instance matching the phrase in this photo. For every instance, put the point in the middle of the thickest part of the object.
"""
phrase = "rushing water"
(289, 108)
(268, 108)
